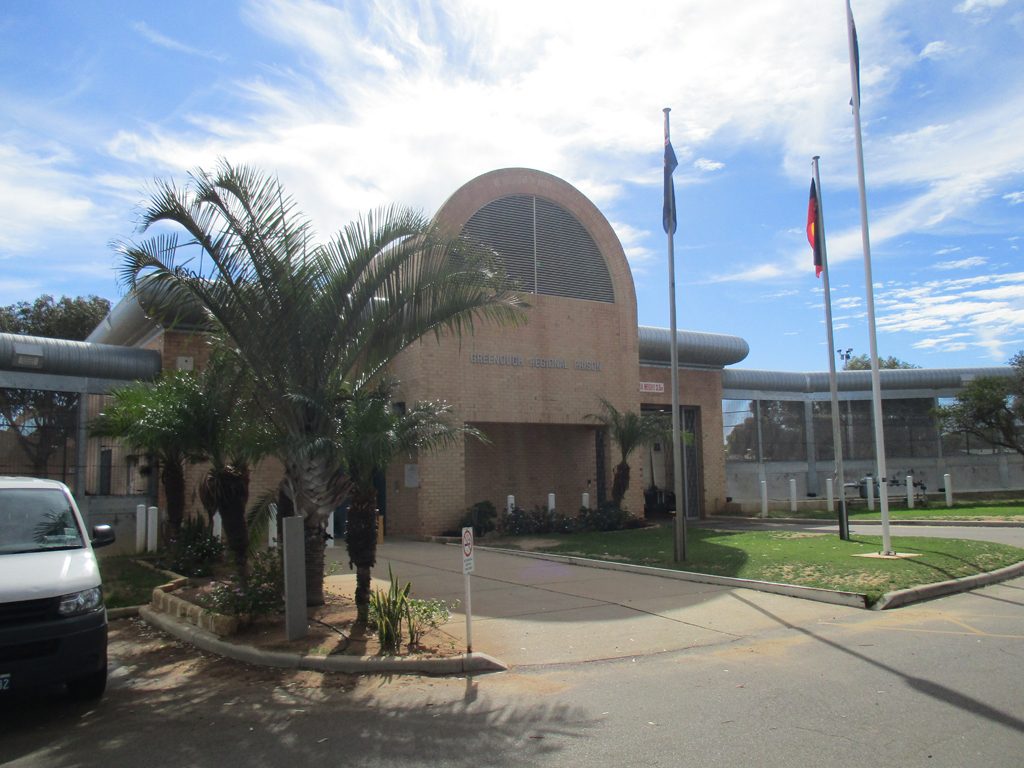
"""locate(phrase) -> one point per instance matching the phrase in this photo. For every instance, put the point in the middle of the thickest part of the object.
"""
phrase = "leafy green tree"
(43, 421)
(156, 418)
(371, 433)
(629, 430)
(863, 363)
(311, 324)
(990, 408)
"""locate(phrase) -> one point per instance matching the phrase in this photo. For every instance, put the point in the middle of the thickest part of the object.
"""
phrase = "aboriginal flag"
(814, 229)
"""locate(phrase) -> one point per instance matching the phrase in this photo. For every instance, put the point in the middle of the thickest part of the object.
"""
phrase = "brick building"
(531, 388)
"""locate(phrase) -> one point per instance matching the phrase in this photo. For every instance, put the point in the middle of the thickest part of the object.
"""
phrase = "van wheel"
(89, 687)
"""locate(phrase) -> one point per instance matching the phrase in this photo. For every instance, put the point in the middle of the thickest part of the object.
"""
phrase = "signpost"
(467, 569)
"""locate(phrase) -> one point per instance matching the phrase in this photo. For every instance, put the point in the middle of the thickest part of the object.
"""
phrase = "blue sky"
(358, 104)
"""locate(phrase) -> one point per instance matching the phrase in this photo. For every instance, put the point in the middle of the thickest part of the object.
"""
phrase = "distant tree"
(155, 418)
(68, 318)
(42, 421)
(990, 408)
(629, 430)
(863, 363)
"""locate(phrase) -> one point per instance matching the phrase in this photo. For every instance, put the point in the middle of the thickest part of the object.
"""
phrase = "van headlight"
(81, 602)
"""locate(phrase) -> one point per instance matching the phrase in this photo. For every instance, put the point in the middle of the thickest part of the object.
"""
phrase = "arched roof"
(694, 349)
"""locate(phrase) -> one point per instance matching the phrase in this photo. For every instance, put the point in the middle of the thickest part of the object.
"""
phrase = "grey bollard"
(947, 480)
(140, 528)
(296, 619)
(152, 517)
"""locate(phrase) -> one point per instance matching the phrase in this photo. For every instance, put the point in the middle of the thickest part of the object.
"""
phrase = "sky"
(356, 105)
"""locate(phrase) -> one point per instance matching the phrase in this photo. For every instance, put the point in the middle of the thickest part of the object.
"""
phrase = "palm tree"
(155, 419)
(629, 430)
(371, 433)
(312, 324)
(230, 434)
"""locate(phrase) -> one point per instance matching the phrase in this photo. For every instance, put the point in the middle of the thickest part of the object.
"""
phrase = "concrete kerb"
(937, 522)
(471, 663)
(903, 597)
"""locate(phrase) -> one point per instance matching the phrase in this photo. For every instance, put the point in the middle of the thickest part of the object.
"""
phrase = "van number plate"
(5, 682)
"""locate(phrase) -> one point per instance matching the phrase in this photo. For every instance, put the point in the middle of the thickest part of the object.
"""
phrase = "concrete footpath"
(529, 611)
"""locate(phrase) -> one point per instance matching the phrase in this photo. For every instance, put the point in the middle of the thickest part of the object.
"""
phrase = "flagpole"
(837, 435)
(876, 387)
(669, 220)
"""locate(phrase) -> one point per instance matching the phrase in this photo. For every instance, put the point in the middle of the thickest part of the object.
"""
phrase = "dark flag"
(813, 230)
(856, 59)
(668, 213)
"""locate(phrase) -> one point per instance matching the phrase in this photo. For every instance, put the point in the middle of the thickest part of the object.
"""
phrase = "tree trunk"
(620, 483)
(173, 476)
(314, 485)
(227, 490)
(361, 540)
(315, 543)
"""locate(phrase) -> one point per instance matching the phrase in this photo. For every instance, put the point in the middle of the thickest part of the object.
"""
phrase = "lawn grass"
(127, 583)
(807, 559)
(1009, 511)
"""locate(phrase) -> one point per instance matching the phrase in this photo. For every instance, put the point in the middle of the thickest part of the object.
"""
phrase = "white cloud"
(751, 275)
(937, 49)
(971, 261)
(703, 164)
(37, 195)
(1014, 198)
(975, 313)
(978, 6)
(163, 41)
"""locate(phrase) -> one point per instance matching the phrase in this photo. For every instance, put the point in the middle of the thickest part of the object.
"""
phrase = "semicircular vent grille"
(544, 248)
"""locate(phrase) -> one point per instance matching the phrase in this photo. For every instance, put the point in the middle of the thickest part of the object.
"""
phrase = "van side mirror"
(102, 535)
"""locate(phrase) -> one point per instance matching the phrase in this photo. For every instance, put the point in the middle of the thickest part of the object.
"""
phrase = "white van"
(53, 624)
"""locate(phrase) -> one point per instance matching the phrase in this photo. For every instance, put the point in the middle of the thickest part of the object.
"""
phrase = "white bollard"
(551, 502)
(330, 530)
(140, 528)
(152, 516)
(764, 498)
(910, 491)
(272, 527)
(792, 494)
(585, 502)
(871, 492)
(510, 503)
(218, 525)
(947, 480)
(830, 493)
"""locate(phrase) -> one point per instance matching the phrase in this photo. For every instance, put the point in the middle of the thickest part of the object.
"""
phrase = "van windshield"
(36, 520)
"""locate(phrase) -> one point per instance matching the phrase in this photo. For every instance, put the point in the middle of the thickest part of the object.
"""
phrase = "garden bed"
(333, 630)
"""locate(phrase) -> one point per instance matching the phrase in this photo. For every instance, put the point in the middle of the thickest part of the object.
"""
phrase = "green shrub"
(262, 594)
(195, 551)
(423, 615)
(387, 612)
(520, 522)
(606, 517)
(480, 517)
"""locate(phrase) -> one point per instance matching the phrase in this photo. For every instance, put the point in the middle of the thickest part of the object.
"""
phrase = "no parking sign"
(467, 568)
(467, 550)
